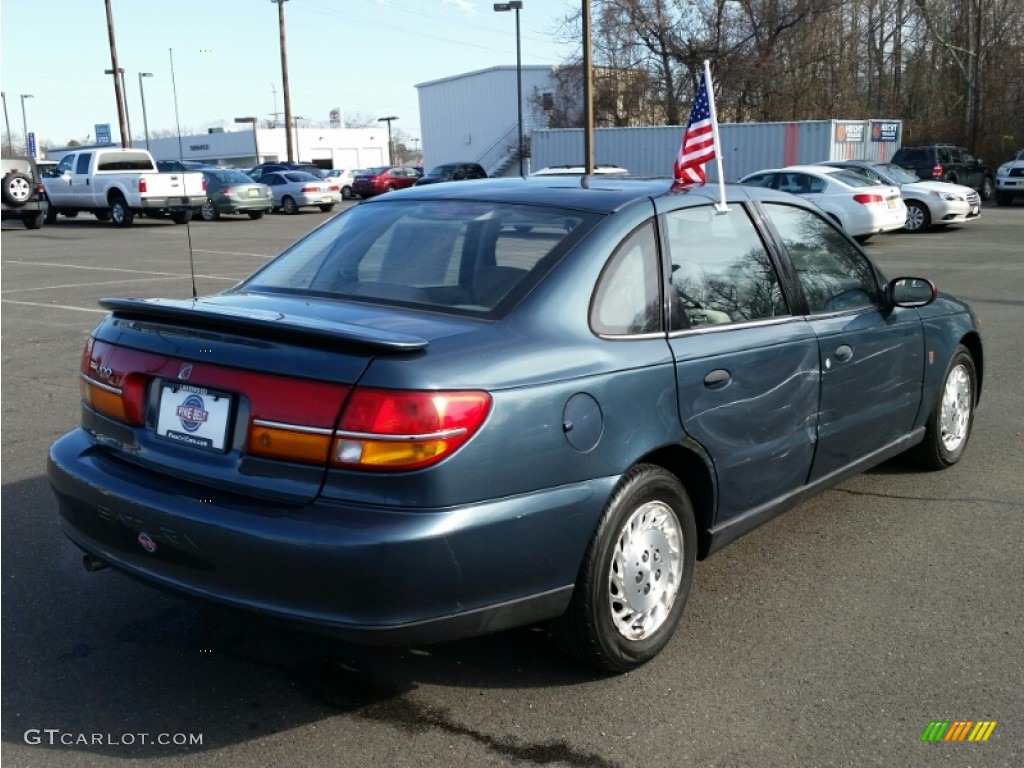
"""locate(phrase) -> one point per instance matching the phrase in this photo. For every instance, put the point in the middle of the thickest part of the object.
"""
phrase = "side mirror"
(911, 292)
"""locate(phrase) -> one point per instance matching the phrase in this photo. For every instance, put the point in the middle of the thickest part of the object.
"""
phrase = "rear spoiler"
(206, 314)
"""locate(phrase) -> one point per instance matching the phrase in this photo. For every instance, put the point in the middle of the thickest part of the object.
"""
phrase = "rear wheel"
(636, 574)
(389, 188)
(346, 193)
(209, 211)
(952, 417)
(51, 215)
(918, 217)
(120, 213)
(181, 217)
(33, 220)
(288, 206)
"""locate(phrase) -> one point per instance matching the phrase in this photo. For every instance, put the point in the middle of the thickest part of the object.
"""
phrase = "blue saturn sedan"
(465, 407)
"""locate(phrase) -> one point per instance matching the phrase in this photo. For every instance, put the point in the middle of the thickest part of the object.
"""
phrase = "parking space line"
(234, 253)
(106, 282)
(117, 269)
(54, 306)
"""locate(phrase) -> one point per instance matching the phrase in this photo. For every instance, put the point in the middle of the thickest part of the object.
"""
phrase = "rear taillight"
(229, 191)
(937, 172)
(865, 199)
(107, 390)
(395, 430)
(142, 185)
(334, 188)
(311, 189)
(204, 183)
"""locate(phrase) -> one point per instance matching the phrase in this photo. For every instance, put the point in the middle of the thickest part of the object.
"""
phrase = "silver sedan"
(297, 189)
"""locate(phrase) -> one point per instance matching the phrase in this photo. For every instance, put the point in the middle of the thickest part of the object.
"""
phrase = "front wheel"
(635, 576)
(987, 189)
(51, 215)
(918, 217)
(952, 417)
(1003, 198)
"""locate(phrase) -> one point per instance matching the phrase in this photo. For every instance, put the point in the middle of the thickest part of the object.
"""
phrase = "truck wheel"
(1003, 198)
(120, 213)
(181, 217)
(987, 189)
(16, 189)
(51, 214)
(33, 220)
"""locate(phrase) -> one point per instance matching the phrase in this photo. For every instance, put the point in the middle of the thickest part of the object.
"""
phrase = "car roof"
(600, 194)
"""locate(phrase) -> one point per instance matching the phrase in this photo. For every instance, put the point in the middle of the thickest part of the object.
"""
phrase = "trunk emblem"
(147, 542)
(185, 372)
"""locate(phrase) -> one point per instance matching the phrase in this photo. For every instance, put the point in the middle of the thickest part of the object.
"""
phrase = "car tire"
(863, 238)
(209, 211)
(33, 219)
(51, 215)
(949, 425)
(71, 214)
(102, 215)
(919, 218)
(635, 576)
(16, 189)
(181, 217)
(120, 213)
(346, 193)
(256, 214)
(389, 188)
(988, 188)
(1002, 198)
(327, 208)
(288, 206)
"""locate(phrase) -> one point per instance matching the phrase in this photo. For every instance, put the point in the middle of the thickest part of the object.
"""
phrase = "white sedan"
(861, 207)
(297, 189)
(929, 203)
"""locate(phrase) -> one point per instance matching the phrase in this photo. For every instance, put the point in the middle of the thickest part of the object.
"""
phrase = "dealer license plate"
(193, 416)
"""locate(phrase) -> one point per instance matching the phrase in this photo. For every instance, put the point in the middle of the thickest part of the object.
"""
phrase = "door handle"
(717, 378)
(843, 353)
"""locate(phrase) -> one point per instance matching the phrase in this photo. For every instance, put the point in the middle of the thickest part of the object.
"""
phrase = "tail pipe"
(93, 564)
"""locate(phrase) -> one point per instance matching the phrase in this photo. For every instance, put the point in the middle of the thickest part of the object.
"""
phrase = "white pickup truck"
(116, 184)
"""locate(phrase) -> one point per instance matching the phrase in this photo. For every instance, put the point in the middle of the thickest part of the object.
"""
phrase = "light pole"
(391, 152)
(517, 5)
(255, 141)
(284, 81)
(142, 93)
(24, 121)
(7, 124)
(128, 121)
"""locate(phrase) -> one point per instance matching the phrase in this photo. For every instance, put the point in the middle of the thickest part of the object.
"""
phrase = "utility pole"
(284, 81)
(391, 151)
(588, 94)
(118, 90)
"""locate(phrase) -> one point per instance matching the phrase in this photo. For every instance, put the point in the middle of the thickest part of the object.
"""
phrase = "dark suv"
(23, 195)
(945, 162)
(452, 172)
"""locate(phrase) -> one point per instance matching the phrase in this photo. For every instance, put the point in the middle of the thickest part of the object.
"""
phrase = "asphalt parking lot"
(832, 636)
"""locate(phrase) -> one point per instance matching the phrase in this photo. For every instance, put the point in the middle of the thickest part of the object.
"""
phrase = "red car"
(384, 178)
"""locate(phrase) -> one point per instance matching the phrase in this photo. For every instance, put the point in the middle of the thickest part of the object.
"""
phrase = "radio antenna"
(181, 157)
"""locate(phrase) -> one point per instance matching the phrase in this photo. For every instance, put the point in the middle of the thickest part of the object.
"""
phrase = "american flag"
(698, 145)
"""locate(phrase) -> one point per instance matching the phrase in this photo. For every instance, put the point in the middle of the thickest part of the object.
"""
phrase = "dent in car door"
(746, 367)
(872, 359)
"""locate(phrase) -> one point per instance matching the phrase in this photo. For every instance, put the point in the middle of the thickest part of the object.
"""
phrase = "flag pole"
(721, 207)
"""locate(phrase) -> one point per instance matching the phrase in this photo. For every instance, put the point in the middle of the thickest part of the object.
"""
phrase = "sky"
(362, 56)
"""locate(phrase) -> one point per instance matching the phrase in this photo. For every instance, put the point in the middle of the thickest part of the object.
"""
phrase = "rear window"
(473, 258)
(231, 177)
(125, 161)
(300, 176)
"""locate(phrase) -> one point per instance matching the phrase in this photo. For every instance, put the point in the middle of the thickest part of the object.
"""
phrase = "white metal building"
(472, 117)
(745, 147)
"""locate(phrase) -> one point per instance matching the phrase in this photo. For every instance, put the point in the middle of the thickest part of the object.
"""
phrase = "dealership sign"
(884, 131)
(849, 133)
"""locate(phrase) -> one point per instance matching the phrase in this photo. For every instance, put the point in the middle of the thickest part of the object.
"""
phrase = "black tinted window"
(82, 165)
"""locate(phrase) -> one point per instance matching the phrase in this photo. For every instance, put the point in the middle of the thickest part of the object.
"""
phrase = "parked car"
(234, 192)
(452, 172)
(579, 170)
(945, 162)
(344, 178)
(258, 171)
(180, 166)
(384, 178)
(292, 190)
(117, 185)
(929, 203)
(1010, 180)
(22, 191)
(418, 423)
(861, 207)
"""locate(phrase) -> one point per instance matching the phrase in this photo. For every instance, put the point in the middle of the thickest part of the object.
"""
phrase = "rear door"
(746, 365)
(871, 357)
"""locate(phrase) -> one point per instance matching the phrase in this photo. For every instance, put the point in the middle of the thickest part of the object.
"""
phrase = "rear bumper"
(381, 575)
(173, 203)
(241, 205)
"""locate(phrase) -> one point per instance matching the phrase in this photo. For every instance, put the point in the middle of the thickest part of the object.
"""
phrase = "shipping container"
(745, 147)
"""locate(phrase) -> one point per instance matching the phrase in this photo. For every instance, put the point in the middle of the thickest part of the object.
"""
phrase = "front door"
(872, 358)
